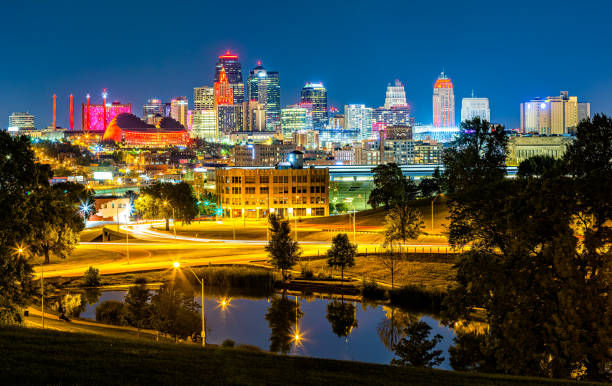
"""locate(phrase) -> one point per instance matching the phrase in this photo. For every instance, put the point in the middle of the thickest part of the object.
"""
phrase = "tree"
(391, 187)
(342, 317)
(592, 149)
(56, 224)
(174, 312)
(539, 266)
(539, 165)
(341, 207)
(282, 316)
(111, 312)
(342, 253)
(79, 195)
(16, 287)
(282, 250)
(401, 223)
(208, 203)
(415, 349)
(429, 187)
(160, 198)
(137, 304)
(391, 328)
(92, 277)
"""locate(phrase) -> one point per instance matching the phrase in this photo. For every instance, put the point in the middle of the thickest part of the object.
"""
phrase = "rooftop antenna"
(472, 93)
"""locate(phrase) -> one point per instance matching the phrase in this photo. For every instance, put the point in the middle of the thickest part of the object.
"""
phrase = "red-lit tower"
(87, 119)
(54, 110)
(223, 90)
(443, 102)
(71, 114)
(104, 95)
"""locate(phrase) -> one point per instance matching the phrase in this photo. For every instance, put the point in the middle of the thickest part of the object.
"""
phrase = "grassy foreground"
(32, 356)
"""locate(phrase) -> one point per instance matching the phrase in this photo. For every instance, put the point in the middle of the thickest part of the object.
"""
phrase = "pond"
(269, 323)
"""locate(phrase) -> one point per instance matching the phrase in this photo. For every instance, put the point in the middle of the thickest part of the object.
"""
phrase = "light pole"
(127, 233)
(354, 214)
(177, 265)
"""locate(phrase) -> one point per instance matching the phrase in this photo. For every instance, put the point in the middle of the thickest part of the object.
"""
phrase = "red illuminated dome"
(134, 132)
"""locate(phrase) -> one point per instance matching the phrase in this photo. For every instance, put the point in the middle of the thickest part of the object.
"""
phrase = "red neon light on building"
(86, 125)
(93, 115)
(71, 114)
(54, 110)
(223, 91)
(228, 55)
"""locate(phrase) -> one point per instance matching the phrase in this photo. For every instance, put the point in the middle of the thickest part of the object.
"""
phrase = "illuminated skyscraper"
(204, 116)
(396, 95)
(359, 117)
(293, 118)
(233, 70)
(554, 115)
(475, 107)
(21, 121)
(179, 110)
(254, 116)
(152, 108)
(443, 102)
(264, 87)
(316, 94)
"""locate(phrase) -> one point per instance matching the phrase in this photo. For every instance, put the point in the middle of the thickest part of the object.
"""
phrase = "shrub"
(111, 312)
(72, 305)
(307, 272)
(92, 277)
(417, 297)
(372, 291)
(228, 343)
(238, 277)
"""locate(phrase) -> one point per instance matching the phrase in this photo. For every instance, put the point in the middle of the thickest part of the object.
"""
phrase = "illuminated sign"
(101, 176)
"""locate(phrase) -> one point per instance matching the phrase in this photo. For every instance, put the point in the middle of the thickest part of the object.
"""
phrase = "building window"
(249, 179)
(249, 190)
(236, 190)
(264, 190)
(264, 179)
(236, 179)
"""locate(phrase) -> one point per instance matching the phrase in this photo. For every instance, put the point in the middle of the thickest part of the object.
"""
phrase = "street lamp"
(177, 265)
(350, 201)
(173, 219)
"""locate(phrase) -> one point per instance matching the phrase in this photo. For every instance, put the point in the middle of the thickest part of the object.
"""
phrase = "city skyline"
(350, 74)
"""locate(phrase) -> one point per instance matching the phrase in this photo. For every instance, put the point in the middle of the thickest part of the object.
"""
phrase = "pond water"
(269, 323)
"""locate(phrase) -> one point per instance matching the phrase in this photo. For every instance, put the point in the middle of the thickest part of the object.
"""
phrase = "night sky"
(141, 49)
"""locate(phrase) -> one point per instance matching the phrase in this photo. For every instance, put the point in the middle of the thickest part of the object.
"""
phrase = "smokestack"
(71, 114)
(54, 110)
(104, 104)
(87, 115)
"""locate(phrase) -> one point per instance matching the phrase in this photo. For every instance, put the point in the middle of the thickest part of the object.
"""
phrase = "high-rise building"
(359, 117)
(443, 102)
(21, 121)
(204, 116)
(264, 87)
(316, 95)
(233, 69)
(396, 95)
(153, 107)
(554, 115)
(179, 110)
(254, 116)
(293, 118)
(475, 107)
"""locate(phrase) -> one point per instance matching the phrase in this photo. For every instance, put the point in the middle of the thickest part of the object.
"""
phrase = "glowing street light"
(177, 265)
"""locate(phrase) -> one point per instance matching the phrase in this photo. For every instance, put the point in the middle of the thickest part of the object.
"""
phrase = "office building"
(179, 108)
(285, 191)
(359, 117)
(522, 147)
(315, 95)
(264, 87)
(231, 65)
(475, 107)
(204, 98)
(306, 139)
(555, 115)
(204, 116)
(396, 95)
(152, 109)
(21, 121)
(443, 102)
(293, 118)
(254, 116)
(260, 154)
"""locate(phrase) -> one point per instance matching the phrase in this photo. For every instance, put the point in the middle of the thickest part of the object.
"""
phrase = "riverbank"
(34, 356)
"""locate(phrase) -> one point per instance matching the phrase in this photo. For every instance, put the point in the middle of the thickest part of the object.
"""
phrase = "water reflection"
(342, 317)
(391, 329)
(283, 318)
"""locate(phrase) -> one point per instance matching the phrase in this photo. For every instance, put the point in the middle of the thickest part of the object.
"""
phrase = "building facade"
(231, 65)
(475, 107)
(260, 154)
(293, 118)
(359, 117)
(258, 192)
(522, 147)
(179, 108)
(152, 109)
(315, 94)
(443, 102)
(396, 95)
(21, 121)
(554, 115)
(254, 116)
(264, 87)
(204, 115)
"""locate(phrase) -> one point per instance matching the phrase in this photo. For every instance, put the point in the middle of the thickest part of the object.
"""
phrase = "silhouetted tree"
(282, 316)
(137, 304)
(342, 253)
(282, 250)
(342, 317)
(158, 200)
(416, 349)
(391, 187)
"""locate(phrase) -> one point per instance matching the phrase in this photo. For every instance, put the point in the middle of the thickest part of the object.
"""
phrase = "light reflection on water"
(244, 321)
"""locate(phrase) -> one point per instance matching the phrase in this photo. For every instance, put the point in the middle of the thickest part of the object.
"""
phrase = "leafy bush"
(238, 277)
(228, 343)
(92, 277)
(417, 297)
(372, 291)
(111, 312)
(307, 272)
(72, 305)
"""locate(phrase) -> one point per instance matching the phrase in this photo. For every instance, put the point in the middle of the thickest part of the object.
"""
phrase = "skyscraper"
(316, 94)
(443, 102)
(153, 107)
(264, 87)
(228, 113)
(396, 95)
(254, 116)
(293, 118)
(179, 110)
(21, 121)
(475, 107)
(359, 117)
(204, 117)
(553, 115)
(233, 70)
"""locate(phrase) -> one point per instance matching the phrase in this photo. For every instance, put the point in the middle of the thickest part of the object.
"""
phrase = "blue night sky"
(141, 49)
